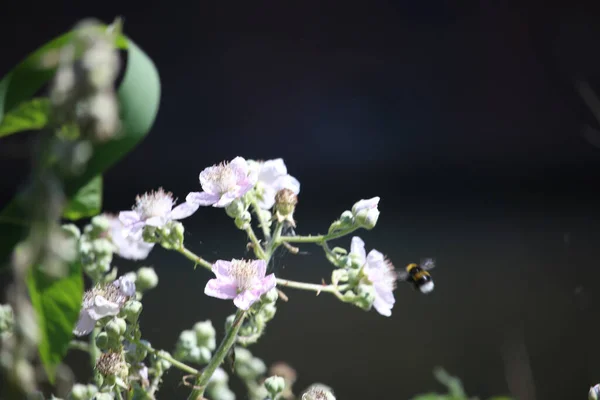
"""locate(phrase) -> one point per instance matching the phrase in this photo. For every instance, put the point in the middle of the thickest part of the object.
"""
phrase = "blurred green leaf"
(87, 202)
(454, 385)
(432, 396)
(500, 398)
(57, 303)
(29, 115)
(139, 96)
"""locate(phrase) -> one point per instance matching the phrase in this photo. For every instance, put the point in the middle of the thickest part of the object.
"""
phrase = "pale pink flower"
(103, 301)
(128, 246)
(272, 177)
(154, 209)
(244, 281)
(223, 183)
(380, 273)
(366, 212)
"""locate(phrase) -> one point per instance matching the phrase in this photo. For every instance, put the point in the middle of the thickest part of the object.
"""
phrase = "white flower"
(366, 212)
(272, 177)
(223, 183)
(154, 209)
(127, 246)
(379, 272)
(103, 301)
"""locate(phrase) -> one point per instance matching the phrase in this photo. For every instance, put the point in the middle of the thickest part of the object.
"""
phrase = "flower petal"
(202, 198)
(207, 180)
(183, 210)
(382, 307)
(156, 221)
(85, 324)
(271, 170)
(261, 268)
(244, 300)
(375, 259)
(129, 217)
(126, 284)
(365, 204)
(267, 198)
(221, 269)
(240, 166)
(268, 283)
(103, 308)
(220, 290)
(287, 182)
(226, 199)
(357, 247)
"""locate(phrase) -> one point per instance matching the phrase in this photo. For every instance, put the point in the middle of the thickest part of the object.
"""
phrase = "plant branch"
(195, 258)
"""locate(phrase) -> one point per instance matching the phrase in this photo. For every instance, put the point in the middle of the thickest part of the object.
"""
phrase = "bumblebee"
(419, 276)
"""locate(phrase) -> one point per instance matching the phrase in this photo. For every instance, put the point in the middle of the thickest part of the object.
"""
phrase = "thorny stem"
(167, 357)
(218, 357)
(318, 239)
(273, 243)
(195, 258)
(79, 345)
(258, 250)
(315, 287)
(261, 221)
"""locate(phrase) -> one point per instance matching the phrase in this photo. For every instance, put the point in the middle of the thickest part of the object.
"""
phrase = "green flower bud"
(103, 246)
(221, 392)
(365, 296)
(164, 364)
(6, 319)
(113, 328)
(339, 275)
(71, 231)
(235, 208)
(187, 340)
(205, 334)
(270, 297)
(266, 216)
(146, 279)
(79, 392)
(258, 366)
(243, 220)
(229, 322)
(275, 385)
(200, 355)
(100, 223)
(132, 310)
(242, 355)
(268, 311)
(102, 341)
(149, 234)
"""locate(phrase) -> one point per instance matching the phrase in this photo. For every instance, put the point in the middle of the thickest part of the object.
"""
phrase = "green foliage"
(87, 202)
(29, 115)
(57, 303)
(139, 95)
(455, 389)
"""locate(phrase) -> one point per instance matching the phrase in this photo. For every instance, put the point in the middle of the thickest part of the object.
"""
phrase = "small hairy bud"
(275, 385)
(285, 205)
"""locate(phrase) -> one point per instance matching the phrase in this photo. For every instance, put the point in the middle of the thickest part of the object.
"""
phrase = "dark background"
(462, 116)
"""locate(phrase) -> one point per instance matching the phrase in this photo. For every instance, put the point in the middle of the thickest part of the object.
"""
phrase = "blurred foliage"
(454, 387)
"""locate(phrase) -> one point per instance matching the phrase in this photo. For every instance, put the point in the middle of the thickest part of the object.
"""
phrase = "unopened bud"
(270, 297)
(199, 355)
(206, 334)
(146, 278)
(235, 208)
(102, 341)
(132, 310)
(366, 212)
(274, 385)
(339, 275)
(243, 220)
(285, 205)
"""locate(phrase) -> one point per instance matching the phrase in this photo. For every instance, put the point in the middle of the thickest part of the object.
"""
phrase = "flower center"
(243, 272)
(224, 177)
(154, 204)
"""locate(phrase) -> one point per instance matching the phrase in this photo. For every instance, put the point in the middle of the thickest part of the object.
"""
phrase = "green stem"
(274, 243)
(218, 357)
(258, 250)
(118, 392)
(167, 357)
(261, 221)
(315, 287)
(317, 238)
(93, 349)
(195, 258)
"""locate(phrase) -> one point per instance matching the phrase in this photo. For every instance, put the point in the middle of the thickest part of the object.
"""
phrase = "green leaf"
(139, 97)
(57, 303)
(29, 115)
(87, 202)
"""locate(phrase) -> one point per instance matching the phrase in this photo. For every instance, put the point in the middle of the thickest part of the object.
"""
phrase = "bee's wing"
(427, 264)
(401, 274)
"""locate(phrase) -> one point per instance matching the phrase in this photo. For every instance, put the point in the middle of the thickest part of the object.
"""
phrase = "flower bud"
(132, 310)
(235, 208)
(206, 334)
(100, 223)
(285, 205)
(102, 341)
(268, 311)
(270, 297)
(243, 220)
(200, 355)
(146, 279)
(365, 296)
(6, 319)
(187, 340)
(229, 322)
(171, 235)
(274, 385)
(104, 396)
(79, 392)
(221, 392)
(164, 364)
(339, 275)
(366, 213)
(347, 217)
(72, 231)
(266, 217)
(113, 328)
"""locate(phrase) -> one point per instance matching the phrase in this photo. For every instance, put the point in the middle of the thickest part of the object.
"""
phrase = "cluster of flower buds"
(95, 248)
(197, 344)
(261, 312)
(251, 370)
(218, 386)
